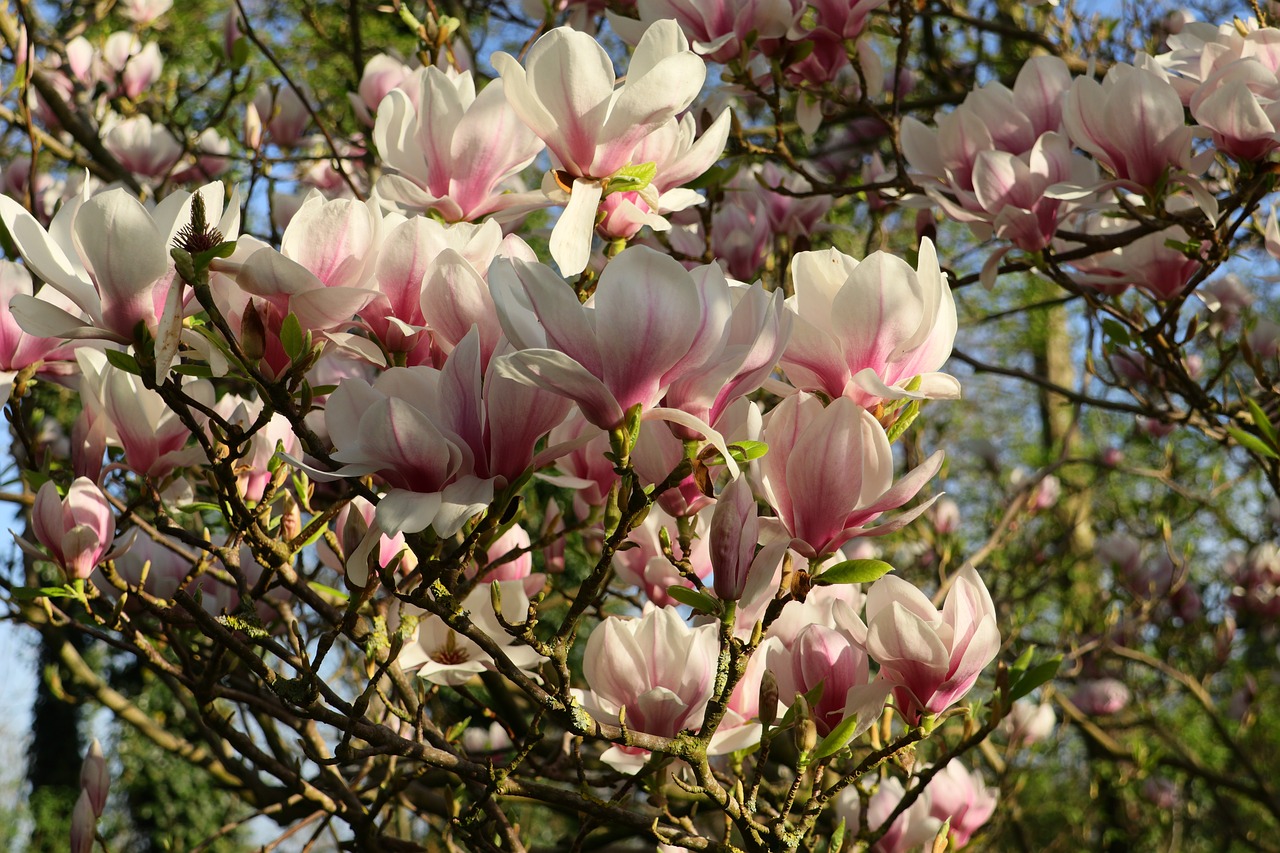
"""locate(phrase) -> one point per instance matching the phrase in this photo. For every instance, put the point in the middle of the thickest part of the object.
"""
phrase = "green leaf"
(123, 361)
(328, 591)
(837, 739)
(291, 337)
(909, 413)
(1023, 661)
(1263, 423)
(1115, 331)
(632, 178)
(837, 838)
(222, 250)
(1252, 442)
(201, 370)
(699, 601)
(745, 451)
(1041, 673)
(854, 571)
(29, 593)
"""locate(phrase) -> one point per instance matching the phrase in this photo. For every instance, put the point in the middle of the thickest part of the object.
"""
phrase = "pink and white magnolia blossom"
(252, 474)
(143, 12)
(441, 655)
(382, 73)
(566, 94)
(646, 567)
(964, 798)
(866, 330)
(655, 667)
(136, 419)
(433, 276)
(283, 113)
(678, 160)
(1028, 722)
(1132, 123)
(79, 256)
(124, 59)
(719, 30)
(910, 831)
(165, 567)
(77, 530)
(829, 474)
(1147, 262)
(440, 439)
(148, 150)
(509, 558)
(624, 348)
(933, 658)
(453, 150)
(19, 350)
(741, 570)
(1100, 697)
(837, 660)
(992, 160)
(320, 275)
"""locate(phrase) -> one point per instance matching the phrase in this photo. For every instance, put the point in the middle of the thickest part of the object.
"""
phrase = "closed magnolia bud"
(94, 779)
(83, 824)
(253, 333)
(768, 698)
(806, 729)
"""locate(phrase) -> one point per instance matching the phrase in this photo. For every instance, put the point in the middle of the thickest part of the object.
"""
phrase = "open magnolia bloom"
(79, 255)
(565, 92)
(443, 656)
(77, 530)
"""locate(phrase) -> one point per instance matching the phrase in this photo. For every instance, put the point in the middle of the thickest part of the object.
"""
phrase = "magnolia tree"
(719, 426)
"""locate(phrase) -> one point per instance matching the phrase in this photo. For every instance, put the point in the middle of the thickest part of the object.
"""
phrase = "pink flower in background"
(382, 73)
(911, 830)
(716, 29)
(963, 797)
(76, 530)
(1100, 697)
(145, 149)
(19, 350)
(1028, 722)
(282, 112)
(932, 657)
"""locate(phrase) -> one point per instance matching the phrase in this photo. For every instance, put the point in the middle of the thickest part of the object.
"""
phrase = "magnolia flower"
(19, 350)
(79, 256)
(908, 832)
(1132, 123)
(143, 12)
(655, 671)
(145, 149)
(1100, 697)
(717, 29)
(1028, 722)
(963, 797)
(76, 530)
(443, 656)
(867, 330)
(624, 348)
(453, 150)
(382, 73)
(283, 112)
(829, 473)
(932, 657)
(566, 94)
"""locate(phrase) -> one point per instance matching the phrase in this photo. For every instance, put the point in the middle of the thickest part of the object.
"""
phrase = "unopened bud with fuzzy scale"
(768, 699)
(806, 729)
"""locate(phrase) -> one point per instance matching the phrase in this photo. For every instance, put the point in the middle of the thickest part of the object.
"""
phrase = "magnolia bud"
(768, 698)
(93, 777)
(291, 518)
(83, 824)
(253, 332)
(806, 729)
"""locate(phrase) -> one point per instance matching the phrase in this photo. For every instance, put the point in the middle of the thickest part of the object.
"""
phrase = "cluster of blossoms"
(400, 403)
(458, 367)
